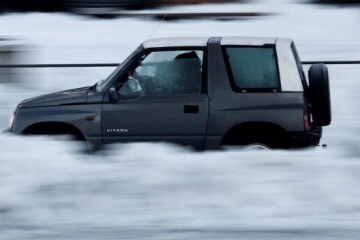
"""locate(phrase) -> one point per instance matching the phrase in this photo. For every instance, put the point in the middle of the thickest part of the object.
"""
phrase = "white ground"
(49, 190)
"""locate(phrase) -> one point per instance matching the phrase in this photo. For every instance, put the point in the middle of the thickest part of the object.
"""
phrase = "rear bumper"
(305, 139)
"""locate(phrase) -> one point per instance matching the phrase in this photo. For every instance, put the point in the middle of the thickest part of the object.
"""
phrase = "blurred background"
(77, 5)
(73, 5)
(49, 189)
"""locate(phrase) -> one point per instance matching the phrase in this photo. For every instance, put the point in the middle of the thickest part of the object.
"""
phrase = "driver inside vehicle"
(164, 73)
(130, 89)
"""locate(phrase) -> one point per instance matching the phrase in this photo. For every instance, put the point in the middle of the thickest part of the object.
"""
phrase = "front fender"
(86, 118)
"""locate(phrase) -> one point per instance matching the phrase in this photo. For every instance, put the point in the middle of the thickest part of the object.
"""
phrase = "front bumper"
(7, 131)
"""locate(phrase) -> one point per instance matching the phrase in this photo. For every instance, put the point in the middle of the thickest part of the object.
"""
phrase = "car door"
(160, 99)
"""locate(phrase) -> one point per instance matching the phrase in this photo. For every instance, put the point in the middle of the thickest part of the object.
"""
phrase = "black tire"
(319, 94)
(256, 139)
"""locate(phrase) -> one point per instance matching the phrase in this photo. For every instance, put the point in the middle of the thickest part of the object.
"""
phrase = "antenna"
(162, 20)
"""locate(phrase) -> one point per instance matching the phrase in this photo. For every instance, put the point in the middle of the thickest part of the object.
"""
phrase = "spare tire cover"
(319, 91)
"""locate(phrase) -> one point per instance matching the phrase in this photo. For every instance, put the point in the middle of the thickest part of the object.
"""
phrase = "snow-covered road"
(50, 190)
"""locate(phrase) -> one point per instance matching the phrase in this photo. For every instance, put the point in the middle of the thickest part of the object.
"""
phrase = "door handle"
(191, 109)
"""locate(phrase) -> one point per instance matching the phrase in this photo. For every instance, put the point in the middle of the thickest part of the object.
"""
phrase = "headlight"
(11, 122)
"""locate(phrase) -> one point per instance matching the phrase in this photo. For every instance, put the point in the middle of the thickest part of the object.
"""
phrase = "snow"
(51, 190)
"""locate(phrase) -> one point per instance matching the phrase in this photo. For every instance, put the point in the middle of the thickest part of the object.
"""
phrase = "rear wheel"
(257, 147)
(260, 142)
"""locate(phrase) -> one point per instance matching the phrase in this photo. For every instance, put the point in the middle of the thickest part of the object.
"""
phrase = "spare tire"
(319, 94)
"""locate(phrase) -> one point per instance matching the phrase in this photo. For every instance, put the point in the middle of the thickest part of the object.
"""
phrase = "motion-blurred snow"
(158, 191)
(50, 190)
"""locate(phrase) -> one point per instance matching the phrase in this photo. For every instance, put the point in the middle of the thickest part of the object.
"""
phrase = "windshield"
(101, 85)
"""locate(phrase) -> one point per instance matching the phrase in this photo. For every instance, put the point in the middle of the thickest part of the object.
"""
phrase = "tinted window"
(169, 72)
(253, 68)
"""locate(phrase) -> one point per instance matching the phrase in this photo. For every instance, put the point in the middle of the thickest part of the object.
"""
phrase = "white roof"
(177, 42)
(256, 41)
(252, 41)
(202, 41)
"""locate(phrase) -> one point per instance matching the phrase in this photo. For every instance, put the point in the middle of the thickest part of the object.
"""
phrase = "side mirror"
(113, 95)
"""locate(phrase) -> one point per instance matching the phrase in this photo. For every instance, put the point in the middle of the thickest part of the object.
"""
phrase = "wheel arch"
(254, 128)
(54, 128)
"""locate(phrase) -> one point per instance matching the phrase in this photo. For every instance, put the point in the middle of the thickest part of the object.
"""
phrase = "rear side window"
(253, 69)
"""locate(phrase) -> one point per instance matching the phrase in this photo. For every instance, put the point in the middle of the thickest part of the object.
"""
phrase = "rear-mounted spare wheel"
(319, 93)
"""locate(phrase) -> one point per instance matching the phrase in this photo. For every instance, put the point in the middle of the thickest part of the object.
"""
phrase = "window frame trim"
(230, 75)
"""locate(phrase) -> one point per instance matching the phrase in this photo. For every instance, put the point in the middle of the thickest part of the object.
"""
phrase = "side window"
(253, 68)
(168, 73)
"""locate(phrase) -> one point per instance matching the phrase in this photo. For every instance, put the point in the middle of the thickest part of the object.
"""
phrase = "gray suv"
(202, 92)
